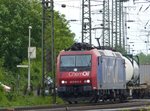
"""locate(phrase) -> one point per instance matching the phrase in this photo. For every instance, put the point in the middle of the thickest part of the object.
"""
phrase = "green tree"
(15, 17)
(144, 59)
(3, 98)
(63, 37)
(1, 69)
(121, 50)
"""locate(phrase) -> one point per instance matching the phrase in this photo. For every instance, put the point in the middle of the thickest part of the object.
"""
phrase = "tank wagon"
(92, 74)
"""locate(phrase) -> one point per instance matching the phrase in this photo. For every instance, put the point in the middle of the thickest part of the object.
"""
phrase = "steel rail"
(82, 107)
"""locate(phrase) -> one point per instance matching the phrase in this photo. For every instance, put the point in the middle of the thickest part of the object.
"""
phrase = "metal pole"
(103, 39)
(125, 28)
(86, 21)
(90, 36)
(52, 46)
(82, 22)
(43, 29)
(116, 37)
(112, 26)
(18, 79)
(120, 15)
(30, 27)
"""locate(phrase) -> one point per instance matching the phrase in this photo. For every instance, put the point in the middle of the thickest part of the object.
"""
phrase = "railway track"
(134, 104)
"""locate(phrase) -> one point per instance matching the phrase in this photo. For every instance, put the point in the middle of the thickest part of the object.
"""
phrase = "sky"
(72, 11)
(138, 31)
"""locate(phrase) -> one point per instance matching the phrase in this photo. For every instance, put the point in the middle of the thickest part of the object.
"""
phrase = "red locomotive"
(91, 74)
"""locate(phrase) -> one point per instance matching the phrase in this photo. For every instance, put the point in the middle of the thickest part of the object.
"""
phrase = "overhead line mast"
(113, 28)
(86, 22)
(48, 51)
(106, 24)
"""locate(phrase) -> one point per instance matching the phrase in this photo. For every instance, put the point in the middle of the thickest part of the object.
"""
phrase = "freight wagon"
(142, 90)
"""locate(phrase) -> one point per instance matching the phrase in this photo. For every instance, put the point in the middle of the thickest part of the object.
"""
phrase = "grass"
(29, 101)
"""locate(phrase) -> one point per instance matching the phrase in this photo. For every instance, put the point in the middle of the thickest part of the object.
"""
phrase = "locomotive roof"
(109, 53)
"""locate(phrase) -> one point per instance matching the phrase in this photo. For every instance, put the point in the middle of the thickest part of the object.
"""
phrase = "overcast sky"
(137, 31)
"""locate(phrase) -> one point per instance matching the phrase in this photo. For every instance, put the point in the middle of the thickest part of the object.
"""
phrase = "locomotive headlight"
(88, 81)
(62, 81)
(85, 81)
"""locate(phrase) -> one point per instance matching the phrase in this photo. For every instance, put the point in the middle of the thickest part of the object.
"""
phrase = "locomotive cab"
(74, 78)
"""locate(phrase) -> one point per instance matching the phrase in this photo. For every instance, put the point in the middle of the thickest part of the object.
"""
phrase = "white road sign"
(32, 52)
(22, 66)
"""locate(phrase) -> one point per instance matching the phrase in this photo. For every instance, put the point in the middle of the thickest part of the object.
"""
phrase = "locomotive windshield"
(72, 61)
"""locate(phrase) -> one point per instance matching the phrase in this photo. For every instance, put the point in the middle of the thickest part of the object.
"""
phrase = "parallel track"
(82, 107)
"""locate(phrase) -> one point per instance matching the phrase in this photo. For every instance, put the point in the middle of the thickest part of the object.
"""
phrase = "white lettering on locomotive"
(75, 74)
(74, 82)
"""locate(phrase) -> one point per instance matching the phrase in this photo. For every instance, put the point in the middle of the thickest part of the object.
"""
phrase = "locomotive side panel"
(111, 73)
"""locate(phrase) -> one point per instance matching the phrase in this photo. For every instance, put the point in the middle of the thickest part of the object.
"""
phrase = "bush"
(11, 96)
(3, 99)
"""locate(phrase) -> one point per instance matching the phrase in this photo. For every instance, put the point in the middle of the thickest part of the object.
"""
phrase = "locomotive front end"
(74, 74)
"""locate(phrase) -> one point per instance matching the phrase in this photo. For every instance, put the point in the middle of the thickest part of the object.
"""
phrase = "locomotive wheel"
(69, 102)
(95, 98)
(76, 102)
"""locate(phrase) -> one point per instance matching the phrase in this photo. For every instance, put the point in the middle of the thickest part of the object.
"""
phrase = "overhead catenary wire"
(72, 6)
(140, 9)
(147, 8)
(146, 23)
(135, 13)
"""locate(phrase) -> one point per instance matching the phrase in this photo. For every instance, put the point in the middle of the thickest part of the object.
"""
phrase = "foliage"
(121, 50)
(3, 99)
(15, 17)
(36, 72)
(17, 97)
(29, 101)
(144, 59)
(1, 69)
(63, 37)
